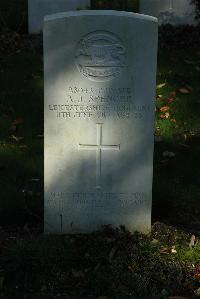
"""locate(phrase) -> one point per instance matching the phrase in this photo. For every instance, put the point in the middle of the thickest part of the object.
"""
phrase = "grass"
(176, 188)
(21, 110)
(107, 264)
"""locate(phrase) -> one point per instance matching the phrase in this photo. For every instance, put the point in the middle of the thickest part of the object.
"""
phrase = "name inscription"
(100, 103)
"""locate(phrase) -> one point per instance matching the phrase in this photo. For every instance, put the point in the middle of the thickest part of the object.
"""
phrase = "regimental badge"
(100, 56)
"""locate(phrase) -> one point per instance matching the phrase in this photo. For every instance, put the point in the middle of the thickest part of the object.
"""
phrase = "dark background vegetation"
(112, 263)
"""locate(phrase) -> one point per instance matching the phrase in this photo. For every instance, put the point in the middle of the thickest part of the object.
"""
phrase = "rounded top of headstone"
(99, 13)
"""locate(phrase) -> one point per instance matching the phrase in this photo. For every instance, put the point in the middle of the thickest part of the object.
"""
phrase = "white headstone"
(100, 73)
(37, 9)
(174, 12)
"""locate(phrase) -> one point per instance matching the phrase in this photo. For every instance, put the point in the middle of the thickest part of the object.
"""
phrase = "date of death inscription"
(95, 200)
(98, 103)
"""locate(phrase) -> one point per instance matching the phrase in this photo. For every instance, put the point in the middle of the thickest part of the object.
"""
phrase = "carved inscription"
(99, 103)
(100, 56)
(97, 199)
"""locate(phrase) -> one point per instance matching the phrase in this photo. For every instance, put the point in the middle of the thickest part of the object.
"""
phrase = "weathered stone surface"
(174, 12)
(100, 72)
(37, 9)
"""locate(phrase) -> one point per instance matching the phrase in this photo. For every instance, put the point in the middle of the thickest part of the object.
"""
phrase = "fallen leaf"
(164, 161)
(164, 250)
(154, 241)
(189, 87)
(159, 86)
(173, 250)
(165, 116)
(192, 241)
(173, 120)
(164, 108)
(197, 292)
(184, 90)
(168, 154)
(170, 100)
(189, 61)
(16, 138)
(35, 180)
(40, 136)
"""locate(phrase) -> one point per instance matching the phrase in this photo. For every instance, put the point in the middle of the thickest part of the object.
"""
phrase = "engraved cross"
(99, 147)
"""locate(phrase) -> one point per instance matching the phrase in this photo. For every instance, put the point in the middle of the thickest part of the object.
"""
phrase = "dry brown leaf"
(164, 108)
(173, 120)
(184, 90)
(170, 100)
(164, 250)
(165, 116)
(162, 116)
